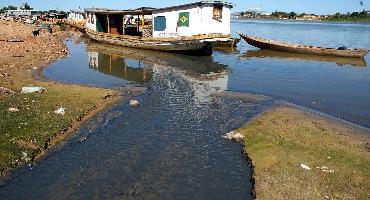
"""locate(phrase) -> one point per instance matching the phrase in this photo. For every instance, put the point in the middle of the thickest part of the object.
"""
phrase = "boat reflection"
(204, 75)
(119, 66)
(341, 61)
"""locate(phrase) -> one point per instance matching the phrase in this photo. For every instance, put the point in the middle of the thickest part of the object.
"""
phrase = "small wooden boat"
(265, 53)
(302, 49)
(187, 46)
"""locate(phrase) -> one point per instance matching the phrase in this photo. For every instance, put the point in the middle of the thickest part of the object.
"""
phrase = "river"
(171, 146)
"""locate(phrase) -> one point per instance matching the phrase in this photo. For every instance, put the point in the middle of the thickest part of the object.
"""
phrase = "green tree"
(242, 14)
(4, 9)
(25, 6)
(292, 15)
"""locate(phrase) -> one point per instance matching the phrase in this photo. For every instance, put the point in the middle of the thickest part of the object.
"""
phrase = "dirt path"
(28, 124)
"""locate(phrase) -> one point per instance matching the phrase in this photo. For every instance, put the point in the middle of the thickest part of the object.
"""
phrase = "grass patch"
(24, 133)
(283, 138)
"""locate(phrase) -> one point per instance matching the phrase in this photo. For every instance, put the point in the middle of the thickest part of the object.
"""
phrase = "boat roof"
(150, 10)
(138, 11)
(199, 3)
(77, 11)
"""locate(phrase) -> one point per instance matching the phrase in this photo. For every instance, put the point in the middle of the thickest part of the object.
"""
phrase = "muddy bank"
(29, 125)
(300, 155)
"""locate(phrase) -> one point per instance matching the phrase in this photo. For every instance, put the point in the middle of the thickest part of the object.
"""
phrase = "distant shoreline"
(363, 21)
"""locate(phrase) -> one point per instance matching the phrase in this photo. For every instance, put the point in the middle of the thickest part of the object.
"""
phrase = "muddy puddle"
(170, 147)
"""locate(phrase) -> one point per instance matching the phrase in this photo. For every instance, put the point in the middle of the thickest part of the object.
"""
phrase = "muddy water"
(170, 147)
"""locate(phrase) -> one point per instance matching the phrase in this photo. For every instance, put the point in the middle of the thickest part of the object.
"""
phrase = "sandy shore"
(300, 155)
(28, 125)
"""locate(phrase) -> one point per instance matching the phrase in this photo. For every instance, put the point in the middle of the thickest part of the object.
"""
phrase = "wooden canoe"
(189, 47)
(265, 53)
(302, 49)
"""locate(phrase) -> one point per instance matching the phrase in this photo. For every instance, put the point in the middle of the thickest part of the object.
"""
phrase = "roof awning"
(146, 11)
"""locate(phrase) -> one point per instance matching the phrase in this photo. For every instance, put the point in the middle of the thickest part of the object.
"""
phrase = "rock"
(367, 146)
(305, 167)
(32, 89)
(4, 90)
(13, 110)
(134, 103)
(60, 111)
(233, 135)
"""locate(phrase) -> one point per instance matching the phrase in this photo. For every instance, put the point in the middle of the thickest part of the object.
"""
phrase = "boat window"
(159, 23)
(217, 12)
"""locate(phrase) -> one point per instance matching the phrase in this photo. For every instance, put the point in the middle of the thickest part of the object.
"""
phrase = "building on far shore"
(77, 16)
(19, 13)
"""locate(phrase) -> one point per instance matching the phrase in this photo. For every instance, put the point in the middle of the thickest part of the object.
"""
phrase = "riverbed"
(171, 146)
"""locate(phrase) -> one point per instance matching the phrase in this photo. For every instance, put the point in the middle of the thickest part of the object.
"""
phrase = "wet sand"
(35, 127)
(301, 155)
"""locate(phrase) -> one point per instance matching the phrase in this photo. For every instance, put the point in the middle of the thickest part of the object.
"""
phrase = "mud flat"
(28, 124)
(300, 155)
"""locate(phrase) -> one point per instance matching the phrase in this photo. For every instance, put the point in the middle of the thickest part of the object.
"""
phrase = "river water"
(171, 146)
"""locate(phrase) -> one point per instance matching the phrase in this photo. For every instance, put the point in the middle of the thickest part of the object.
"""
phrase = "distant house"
(77, 16)
(19, 13)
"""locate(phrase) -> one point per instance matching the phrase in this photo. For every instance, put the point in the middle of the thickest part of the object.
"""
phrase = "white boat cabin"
(205, 18)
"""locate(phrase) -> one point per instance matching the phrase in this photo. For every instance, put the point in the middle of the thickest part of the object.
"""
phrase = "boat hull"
(302, 49)
(188, 47)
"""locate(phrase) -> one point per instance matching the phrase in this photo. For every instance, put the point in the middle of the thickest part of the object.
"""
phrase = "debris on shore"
(305, 167)
(235, 136)
(26, 90)
(60, 111)
(13, 110)
(4, 90)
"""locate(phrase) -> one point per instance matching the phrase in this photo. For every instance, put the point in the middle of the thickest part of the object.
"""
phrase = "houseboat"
(187, 29)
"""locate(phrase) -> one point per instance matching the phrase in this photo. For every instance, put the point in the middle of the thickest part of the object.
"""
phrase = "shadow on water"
(170, 147)
(340, 61)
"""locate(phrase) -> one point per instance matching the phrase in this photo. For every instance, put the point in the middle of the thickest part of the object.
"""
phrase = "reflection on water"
(205, 75)
(131, 70)
(341, 61)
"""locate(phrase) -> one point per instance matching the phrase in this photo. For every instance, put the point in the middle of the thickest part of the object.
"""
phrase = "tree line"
(24, 6)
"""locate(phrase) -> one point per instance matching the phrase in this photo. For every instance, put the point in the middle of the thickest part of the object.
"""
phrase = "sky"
(299, 6)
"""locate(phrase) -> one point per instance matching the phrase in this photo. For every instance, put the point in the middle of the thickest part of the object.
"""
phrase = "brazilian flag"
(183, 19)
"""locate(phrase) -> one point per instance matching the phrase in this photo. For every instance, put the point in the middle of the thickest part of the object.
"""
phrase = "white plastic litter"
(305, 167)
(233, 135)
(32, 89)
(60, 111)
(13, 110)
(25, 157)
